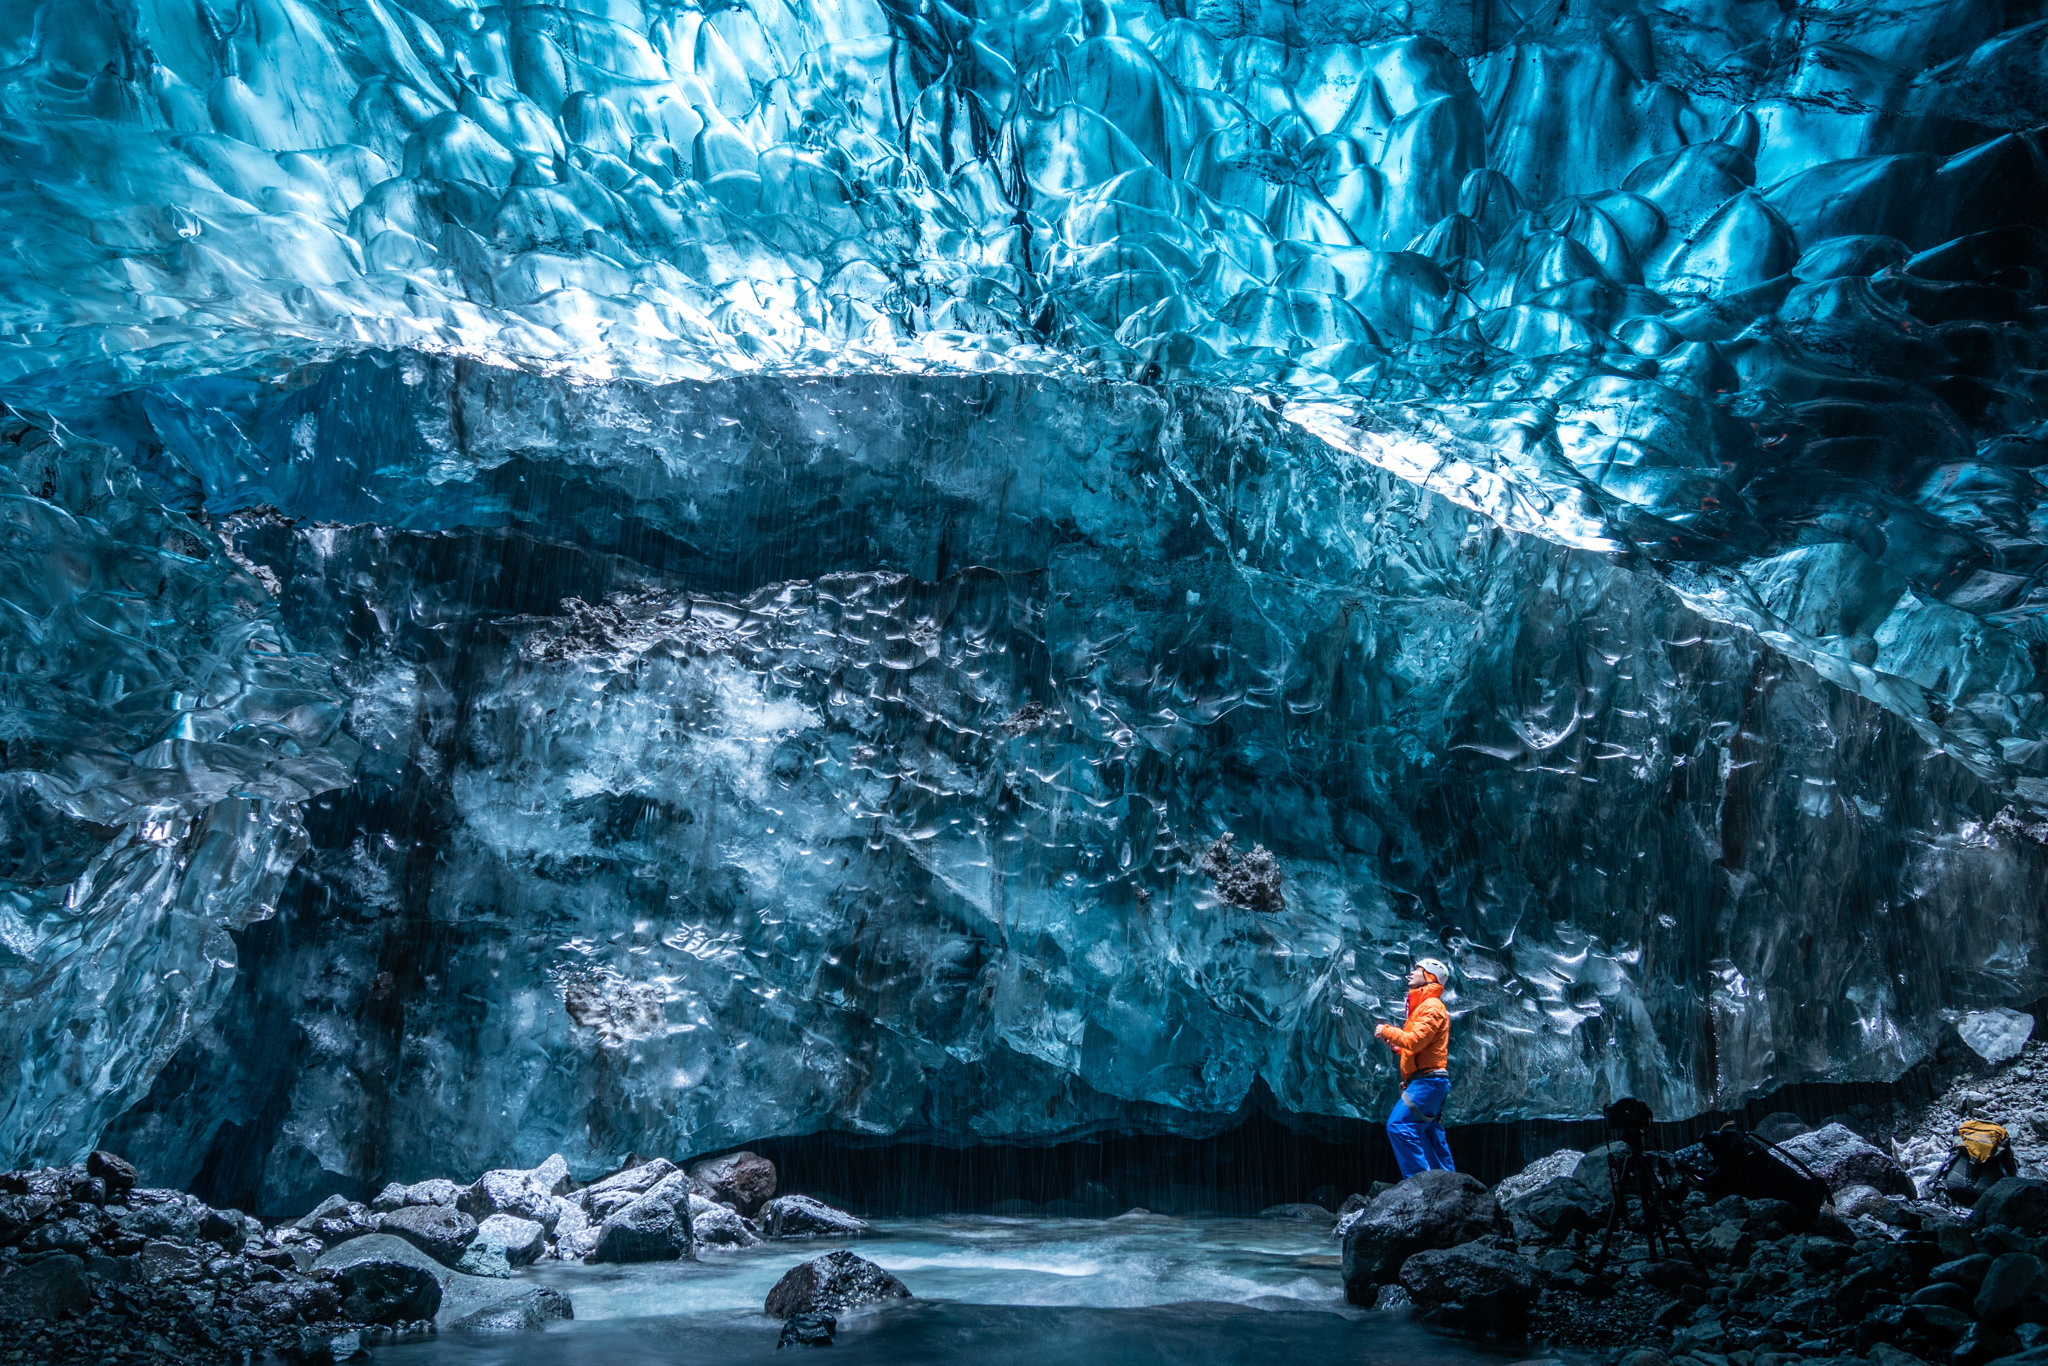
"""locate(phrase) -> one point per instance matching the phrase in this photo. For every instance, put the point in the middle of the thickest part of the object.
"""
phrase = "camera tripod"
(1633, 1173)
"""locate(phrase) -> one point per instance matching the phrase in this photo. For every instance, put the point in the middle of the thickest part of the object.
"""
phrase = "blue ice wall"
(1563, 477)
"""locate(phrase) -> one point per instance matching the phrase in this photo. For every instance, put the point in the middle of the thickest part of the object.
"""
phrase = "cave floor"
(993, 1291)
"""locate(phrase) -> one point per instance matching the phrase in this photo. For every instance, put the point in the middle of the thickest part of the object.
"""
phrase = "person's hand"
(1381, 1031)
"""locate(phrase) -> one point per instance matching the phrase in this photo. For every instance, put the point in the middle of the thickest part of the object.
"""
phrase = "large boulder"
(831, 1284)
(607, 1197)
(1487, 1285)
(438, 1191)
(743, 1180)
(1842, 1158)
(1430, 1210)
(654, 1228)
(49, 1288)
(523, 1194)
(536, 1308)
(1556, 1210)
(442, 1232)
(799, 1216)
(2015, 1202)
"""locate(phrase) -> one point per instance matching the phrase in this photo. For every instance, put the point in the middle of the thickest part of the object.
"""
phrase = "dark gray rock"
(654, 1228)
(537, 1308)
(1494, 1287)
(1559, 1166)
(1776, 1128)
(162, 1261)
(175, 1217)
(1303, 1213)
(437, 1191)
(2014, 1202)
(437, 1230)
(832, 1284)
(117, 1173)
(1842, 1158)
(1430, 1210)
(1556, 1210)
(808, 1330)
(2008, 1283)
(339, 1224)
(744, 1180)
(799, 1216)
(51, 1288)
(379, 1291)
(390, 1198)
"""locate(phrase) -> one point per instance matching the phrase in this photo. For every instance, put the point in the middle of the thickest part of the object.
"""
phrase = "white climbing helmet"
(1437, 968)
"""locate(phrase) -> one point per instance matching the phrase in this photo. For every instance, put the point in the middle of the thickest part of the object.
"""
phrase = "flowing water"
(991, 1291)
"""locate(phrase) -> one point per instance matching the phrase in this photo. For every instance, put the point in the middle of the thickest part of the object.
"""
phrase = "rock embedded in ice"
(1996, 1035)
(743, 1180)
(655, 1227)
(832, 1284)
(1843, 1158)
(800, 1216)
(441, 1231)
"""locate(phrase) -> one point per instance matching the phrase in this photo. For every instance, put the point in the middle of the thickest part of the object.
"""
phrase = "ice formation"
(818, 517)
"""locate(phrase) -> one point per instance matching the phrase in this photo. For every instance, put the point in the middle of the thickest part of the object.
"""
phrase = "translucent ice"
(1648, 405)
(1996, 1035)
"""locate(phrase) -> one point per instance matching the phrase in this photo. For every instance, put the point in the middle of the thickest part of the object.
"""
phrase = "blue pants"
(1419, 1143)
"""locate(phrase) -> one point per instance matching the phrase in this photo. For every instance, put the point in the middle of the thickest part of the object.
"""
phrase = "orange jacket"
(1425, 1045)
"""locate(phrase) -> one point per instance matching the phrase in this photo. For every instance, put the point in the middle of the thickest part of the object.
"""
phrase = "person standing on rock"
(1416, 1127)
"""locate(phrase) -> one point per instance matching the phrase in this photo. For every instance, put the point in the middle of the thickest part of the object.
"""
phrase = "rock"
(1646, 1356)
(1996, 1035)
(654, 1228)
(441, 1231)
(2015, 1202)
(50, 1288)
(1307, 1214)
(332, 1205)
(162, 1261)
(118, 1173)
(1841, 1158)
(485, 1259)
(1556, 1210)
(1494, 1287)
(1982, 1342)
(1776, 1128)
(380, 1291)
(716, 1225)
(1727, 1242)
(575, 1235)
(1862, 1202)
(1559, 1166)
(176, 1217)
(832, 1284)
(437, 1191)
(2008, 1283)
(2033, 1356)
(1352, 1204)
(607, 1197)
(1968, 1272)
(522, 1240)
(390, 1198)
(746, 1181)
(526, 1194)
(808, 1330)
(799, 1216)
(537, 1308)
(293, 1300)
(338, 1225)
(1430, 1210)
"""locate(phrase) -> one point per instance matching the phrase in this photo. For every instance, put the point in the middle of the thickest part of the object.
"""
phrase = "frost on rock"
(823, 513)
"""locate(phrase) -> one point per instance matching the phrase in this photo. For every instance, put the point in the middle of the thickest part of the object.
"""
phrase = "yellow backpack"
(1979, 1138)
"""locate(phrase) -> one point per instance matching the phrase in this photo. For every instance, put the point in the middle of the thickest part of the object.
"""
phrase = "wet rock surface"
(832, 1284)
(1430, 1210)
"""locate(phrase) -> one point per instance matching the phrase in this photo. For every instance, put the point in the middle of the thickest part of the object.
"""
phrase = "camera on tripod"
(1635, 1175)
(1631, 1117)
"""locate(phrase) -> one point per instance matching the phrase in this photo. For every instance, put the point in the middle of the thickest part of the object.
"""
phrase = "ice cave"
(1000, 681)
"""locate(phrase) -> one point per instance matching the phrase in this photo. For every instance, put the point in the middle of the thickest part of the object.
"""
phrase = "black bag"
(1729, 1162)
(1982, 1156)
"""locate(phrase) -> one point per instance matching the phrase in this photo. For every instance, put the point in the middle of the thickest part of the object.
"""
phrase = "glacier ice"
(1562, 478)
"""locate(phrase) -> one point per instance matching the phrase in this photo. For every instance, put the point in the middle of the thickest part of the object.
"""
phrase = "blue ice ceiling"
(792, 527)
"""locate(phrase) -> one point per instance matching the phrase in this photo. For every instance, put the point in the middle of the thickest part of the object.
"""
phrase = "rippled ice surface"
(990, 1291)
